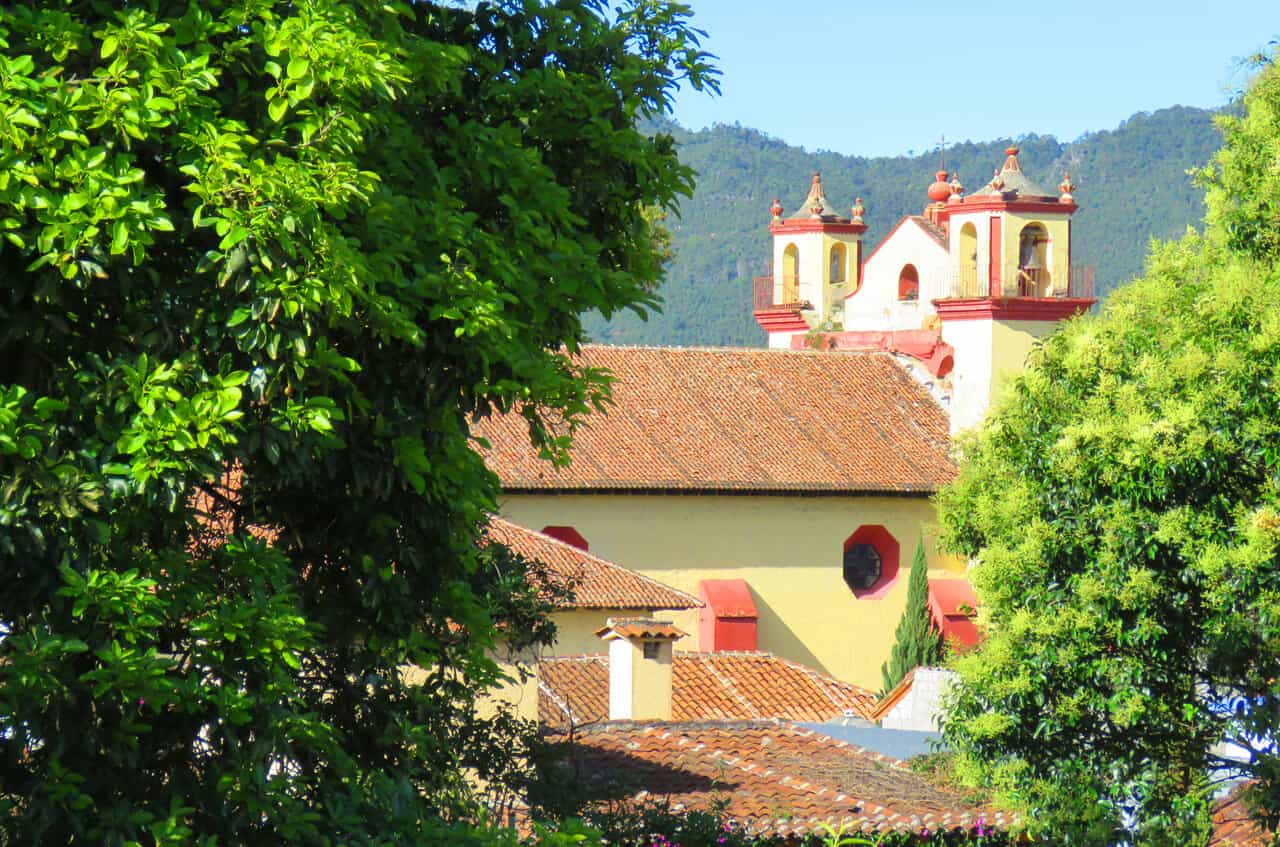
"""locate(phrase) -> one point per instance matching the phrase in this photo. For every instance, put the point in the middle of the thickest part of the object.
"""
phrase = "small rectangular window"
(651, 649)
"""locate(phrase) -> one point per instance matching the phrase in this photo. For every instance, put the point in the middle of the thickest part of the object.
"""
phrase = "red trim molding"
(780, 320)
(973, 204)
(1012, 308)
(816, 226)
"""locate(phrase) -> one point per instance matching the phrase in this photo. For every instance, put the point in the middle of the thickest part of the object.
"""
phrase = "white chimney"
(639, 668)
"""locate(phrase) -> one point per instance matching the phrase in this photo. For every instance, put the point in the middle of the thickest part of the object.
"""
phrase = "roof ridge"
(755, 351)
(732, 690)
(605, 563)
(562, 704)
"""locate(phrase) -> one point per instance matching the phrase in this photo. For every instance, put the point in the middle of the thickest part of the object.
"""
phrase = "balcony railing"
(1021, 283)
(762, 296)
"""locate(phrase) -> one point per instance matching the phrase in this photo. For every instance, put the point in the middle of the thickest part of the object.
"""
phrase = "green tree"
(263, 262)
(917, 641)
(1124, 504)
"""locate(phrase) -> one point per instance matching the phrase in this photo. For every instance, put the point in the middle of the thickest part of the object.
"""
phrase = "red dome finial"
(1011, 163)
(776, 209)
(941, 189)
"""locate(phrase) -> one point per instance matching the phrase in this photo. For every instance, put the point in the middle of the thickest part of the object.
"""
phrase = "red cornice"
(781, 320)
(802, 225)
(996, 205)
(1012, 308)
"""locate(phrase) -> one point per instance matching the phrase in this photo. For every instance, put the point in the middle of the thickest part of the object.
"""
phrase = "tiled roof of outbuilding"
(598, 584)
(736, 420)
(704, 686)
(771, 777)
(1234, 826)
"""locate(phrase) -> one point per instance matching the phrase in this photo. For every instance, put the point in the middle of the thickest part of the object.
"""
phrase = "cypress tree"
(918, 641)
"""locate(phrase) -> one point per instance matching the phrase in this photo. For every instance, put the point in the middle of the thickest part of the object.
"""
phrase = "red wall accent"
(1012, 309)
(567, 534)
(816, 226)
(995, 257)
(887, 546)
(983, 204)
(780, 320)
(952, 603)
(728, 617)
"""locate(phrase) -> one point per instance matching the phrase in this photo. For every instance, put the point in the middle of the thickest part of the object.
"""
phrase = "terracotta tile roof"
(598, 584)
(771, 777)
(704, 686)
(741, 420)
(936, 232)
(894, 697)
(650, 630)
(1234, 826)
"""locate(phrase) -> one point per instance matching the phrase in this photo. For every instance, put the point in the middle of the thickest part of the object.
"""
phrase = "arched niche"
(968, 281)
(908, 283)
(791, 274)
(1034, 276)
(837, 264)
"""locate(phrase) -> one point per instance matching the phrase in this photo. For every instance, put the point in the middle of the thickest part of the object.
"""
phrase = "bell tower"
(1011, 280)
(817, 261)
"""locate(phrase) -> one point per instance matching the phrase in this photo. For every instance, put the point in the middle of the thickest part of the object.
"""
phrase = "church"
(787, 488)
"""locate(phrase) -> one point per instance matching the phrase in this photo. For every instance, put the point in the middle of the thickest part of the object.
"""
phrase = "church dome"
(941, 189)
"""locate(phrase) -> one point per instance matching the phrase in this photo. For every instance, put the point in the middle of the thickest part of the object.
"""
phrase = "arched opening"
(968, 281)
(908, 283)
(839, 260)
(1034, 279)
(791, 274)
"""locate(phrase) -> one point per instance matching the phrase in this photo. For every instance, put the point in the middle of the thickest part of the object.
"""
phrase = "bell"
(1030, 259)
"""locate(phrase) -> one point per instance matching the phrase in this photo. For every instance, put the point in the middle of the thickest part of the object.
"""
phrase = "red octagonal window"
(870, 562)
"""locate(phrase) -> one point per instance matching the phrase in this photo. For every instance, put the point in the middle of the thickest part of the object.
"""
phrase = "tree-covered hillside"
(1132, 186)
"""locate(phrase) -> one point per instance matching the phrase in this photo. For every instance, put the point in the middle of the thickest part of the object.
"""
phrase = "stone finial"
(1066, 187)
(816, 202)
(1011, 162)
(776, 209)
(997, 183)
(957, 190)
(858, 210)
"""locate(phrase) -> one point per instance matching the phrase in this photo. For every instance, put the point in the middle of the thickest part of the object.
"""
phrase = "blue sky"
(892, 76)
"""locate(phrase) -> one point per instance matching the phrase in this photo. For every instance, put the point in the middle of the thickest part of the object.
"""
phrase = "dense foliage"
(917, 641)
(1133, 186)
(263, 260)
(1124, 505)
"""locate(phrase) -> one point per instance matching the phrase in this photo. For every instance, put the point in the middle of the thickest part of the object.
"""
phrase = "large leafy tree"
(1123, 503)
(262, 262)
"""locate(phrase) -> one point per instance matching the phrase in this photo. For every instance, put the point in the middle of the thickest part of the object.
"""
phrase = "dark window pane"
(861, 567)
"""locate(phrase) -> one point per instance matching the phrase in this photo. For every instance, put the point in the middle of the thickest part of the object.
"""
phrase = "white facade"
(920, 708)
(876, 305)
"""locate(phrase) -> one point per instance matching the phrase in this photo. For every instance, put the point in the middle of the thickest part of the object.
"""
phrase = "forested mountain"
(1132, 186)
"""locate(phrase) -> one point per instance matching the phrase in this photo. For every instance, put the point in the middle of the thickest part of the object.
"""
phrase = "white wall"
(920, 708)
(876, 306)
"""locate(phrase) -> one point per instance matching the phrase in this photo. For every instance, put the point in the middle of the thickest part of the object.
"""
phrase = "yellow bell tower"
(817, 257)
(1011, 283)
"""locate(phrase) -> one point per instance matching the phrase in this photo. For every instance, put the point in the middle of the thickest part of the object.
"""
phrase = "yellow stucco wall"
(788, 549)
(576, 629)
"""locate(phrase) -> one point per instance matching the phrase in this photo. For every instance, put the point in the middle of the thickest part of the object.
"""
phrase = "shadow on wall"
(777, 638)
